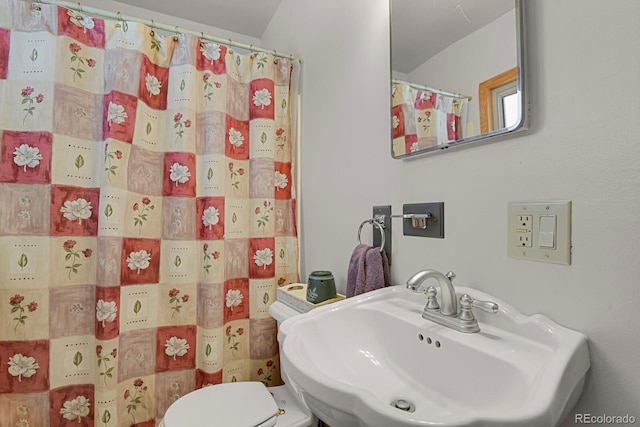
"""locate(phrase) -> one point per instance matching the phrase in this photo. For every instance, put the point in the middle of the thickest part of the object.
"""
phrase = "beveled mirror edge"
(522, 124)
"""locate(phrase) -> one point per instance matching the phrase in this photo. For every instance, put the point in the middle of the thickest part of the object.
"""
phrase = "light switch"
(547, 233)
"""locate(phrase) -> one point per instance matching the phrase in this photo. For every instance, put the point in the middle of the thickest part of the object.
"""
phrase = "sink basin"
(373, 361)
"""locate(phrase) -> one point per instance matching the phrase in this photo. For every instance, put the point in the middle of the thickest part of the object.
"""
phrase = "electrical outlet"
(540, 231)
(524, 230)
(524, 223)
(525, 239)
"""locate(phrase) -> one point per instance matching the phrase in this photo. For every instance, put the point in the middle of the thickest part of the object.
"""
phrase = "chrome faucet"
(446, 312)
(448, 304)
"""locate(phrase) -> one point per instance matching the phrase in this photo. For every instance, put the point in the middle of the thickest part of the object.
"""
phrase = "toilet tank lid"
(242, 404)
(281, 312)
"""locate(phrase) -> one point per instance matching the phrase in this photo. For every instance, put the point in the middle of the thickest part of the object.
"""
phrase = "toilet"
(242, 404)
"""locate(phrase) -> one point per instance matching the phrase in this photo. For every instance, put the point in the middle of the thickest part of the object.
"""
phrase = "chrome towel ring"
(376, 224)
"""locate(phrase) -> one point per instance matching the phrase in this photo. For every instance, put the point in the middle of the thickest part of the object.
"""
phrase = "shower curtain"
(147, 216)
(423, 119)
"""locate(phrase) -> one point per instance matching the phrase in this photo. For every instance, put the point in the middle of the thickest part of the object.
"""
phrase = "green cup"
(321, 286)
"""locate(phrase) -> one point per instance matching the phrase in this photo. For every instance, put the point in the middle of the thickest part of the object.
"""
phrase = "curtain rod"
(155, 25)
(430, 89)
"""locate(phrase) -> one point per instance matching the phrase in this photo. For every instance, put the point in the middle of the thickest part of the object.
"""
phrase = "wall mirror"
(458, 74)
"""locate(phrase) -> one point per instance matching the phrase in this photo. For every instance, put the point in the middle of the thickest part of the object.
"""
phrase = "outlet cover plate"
(560, 210)
(435, 224)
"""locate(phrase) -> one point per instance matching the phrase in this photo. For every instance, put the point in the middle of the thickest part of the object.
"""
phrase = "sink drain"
(403, 405)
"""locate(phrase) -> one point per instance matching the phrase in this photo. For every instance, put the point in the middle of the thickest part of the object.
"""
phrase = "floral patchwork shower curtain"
(423, 119)
(147, 216)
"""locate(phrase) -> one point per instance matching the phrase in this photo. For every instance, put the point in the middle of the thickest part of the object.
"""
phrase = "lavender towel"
(368, 270)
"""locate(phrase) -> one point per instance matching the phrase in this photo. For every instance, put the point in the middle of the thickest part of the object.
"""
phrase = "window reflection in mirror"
(453, 46)
(509, 111)
(492, 94)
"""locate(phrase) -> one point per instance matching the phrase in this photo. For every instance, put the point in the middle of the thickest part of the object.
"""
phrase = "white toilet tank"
(281, 312)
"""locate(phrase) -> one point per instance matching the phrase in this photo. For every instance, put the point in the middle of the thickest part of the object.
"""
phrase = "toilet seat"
(242, 404)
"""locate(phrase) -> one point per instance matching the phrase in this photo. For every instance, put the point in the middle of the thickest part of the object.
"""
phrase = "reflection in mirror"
(458, 73)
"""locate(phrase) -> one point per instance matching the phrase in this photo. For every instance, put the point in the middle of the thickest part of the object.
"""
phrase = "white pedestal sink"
(354, 362)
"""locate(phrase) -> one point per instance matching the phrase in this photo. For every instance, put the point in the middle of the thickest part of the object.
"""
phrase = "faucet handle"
(488, 306)
(432, 302)
(466, 302)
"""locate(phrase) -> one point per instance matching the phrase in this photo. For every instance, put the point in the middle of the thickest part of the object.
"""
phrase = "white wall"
(583, 146)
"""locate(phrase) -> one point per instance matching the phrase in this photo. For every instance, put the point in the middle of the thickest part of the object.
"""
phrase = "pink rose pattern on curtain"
(147, 217)
(425, 119)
